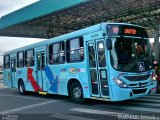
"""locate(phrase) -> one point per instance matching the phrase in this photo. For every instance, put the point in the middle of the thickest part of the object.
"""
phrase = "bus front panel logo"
(141, 66)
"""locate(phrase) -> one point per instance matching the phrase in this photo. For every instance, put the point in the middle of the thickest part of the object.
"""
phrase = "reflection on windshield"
(131, 54)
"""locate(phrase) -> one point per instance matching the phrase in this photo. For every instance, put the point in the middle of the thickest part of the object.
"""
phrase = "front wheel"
(21, 88)
(76, 93)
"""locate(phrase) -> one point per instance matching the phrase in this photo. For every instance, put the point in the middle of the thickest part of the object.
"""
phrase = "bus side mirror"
(109, 44)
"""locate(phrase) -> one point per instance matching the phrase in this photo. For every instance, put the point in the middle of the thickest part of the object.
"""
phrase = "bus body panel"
(61, 75)
(7, 78)
(21, 74)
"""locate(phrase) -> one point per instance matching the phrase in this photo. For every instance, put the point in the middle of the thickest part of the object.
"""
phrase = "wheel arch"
(21, 86)
(70, 82)
(19, 80)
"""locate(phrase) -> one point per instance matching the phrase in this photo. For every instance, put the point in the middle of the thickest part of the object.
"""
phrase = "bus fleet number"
(94, 35)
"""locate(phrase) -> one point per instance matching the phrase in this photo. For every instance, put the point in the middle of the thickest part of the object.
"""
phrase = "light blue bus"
(108, 61)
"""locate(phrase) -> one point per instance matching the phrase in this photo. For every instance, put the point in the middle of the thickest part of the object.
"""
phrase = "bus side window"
(29, 58)
(57, 53)
(20, 59)
(75, 50)
(6, 62)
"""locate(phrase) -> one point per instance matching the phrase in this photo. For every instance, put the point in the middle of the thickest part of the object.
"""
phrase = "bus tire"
(21, 88)
(76, 93)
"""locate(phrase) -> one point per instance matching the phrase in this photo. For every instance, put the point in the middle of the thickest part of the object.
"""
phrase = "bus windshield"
(131, 54)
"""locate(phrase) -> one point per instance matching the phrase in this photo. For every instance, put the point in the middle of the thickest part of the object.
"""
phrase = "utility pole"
(156, 43)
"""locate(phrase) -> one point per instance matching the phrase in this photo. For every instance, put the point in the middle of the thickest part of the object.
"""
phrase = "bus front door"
(40, 70)
(97, 68)
(13, 72)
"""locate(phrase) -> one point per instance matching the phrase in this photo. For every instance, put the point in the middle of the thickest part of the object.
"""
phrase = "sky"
(9, 43)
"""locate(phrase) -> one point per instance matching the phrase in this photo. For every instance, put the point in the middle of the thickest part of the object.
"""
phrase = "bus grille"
(137, 78)
(139, 85)
(140, 91)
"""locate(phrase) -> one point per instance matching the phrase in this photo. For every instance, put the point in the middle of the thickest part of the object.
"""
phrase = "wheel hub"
(21, 89)
(77, 92)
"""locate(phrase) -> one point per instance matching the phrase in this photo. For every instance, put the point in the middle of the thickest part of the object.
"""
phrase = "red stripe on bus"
(35, 86)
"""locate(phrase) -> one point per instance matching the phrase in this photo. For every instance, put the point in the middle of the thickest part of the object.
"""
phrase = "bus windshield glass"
(131, 54)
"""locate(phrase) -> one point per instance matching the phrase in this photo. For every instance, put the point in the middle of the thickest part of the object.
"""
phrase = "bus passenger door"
(13, 71)
(98, 69)
(40, 66)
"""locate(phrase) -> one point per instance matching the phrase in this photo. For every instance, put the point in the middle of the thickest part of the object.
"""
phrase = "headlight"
(153, 78)
(120, 82)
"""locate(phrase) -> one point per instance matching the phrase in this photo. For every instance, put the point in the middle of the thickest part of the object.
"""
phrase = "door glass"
(13, 64)
(104, 82)
(43, 61)
(38, 61)
(94, 81)
(91, 53)
(101, 54)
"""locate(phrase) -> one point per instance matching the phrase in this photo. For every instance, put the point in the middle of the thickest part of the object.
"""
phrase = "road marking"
(146, 100)
(155, 94)
(26, 107)
(146, 104)
(22, 97)
(152, 97)
(69, 117)
(149, 104)
(141, 104)
(141, 108)
(100, 112)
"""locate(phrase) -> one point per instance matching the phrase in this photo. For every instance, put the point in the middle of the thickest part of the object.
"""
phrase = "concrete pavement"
(2, 86)
(1, 82)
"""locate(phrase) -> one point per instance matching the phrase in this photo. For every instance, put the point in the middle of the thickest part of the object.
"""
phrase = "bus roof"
(78, 33)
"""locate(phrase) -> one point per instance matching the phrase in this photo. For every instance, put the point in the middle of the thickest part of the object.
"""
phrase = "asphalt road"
(52, 107)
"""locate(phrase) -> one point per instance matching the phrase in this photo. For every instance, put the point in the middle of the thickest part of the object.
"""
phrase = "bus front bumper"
(120, 94)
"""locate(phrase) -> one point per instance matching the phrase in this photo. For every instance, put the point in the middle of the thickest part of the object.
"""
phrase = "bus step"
(42, 93)
(103, 99)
